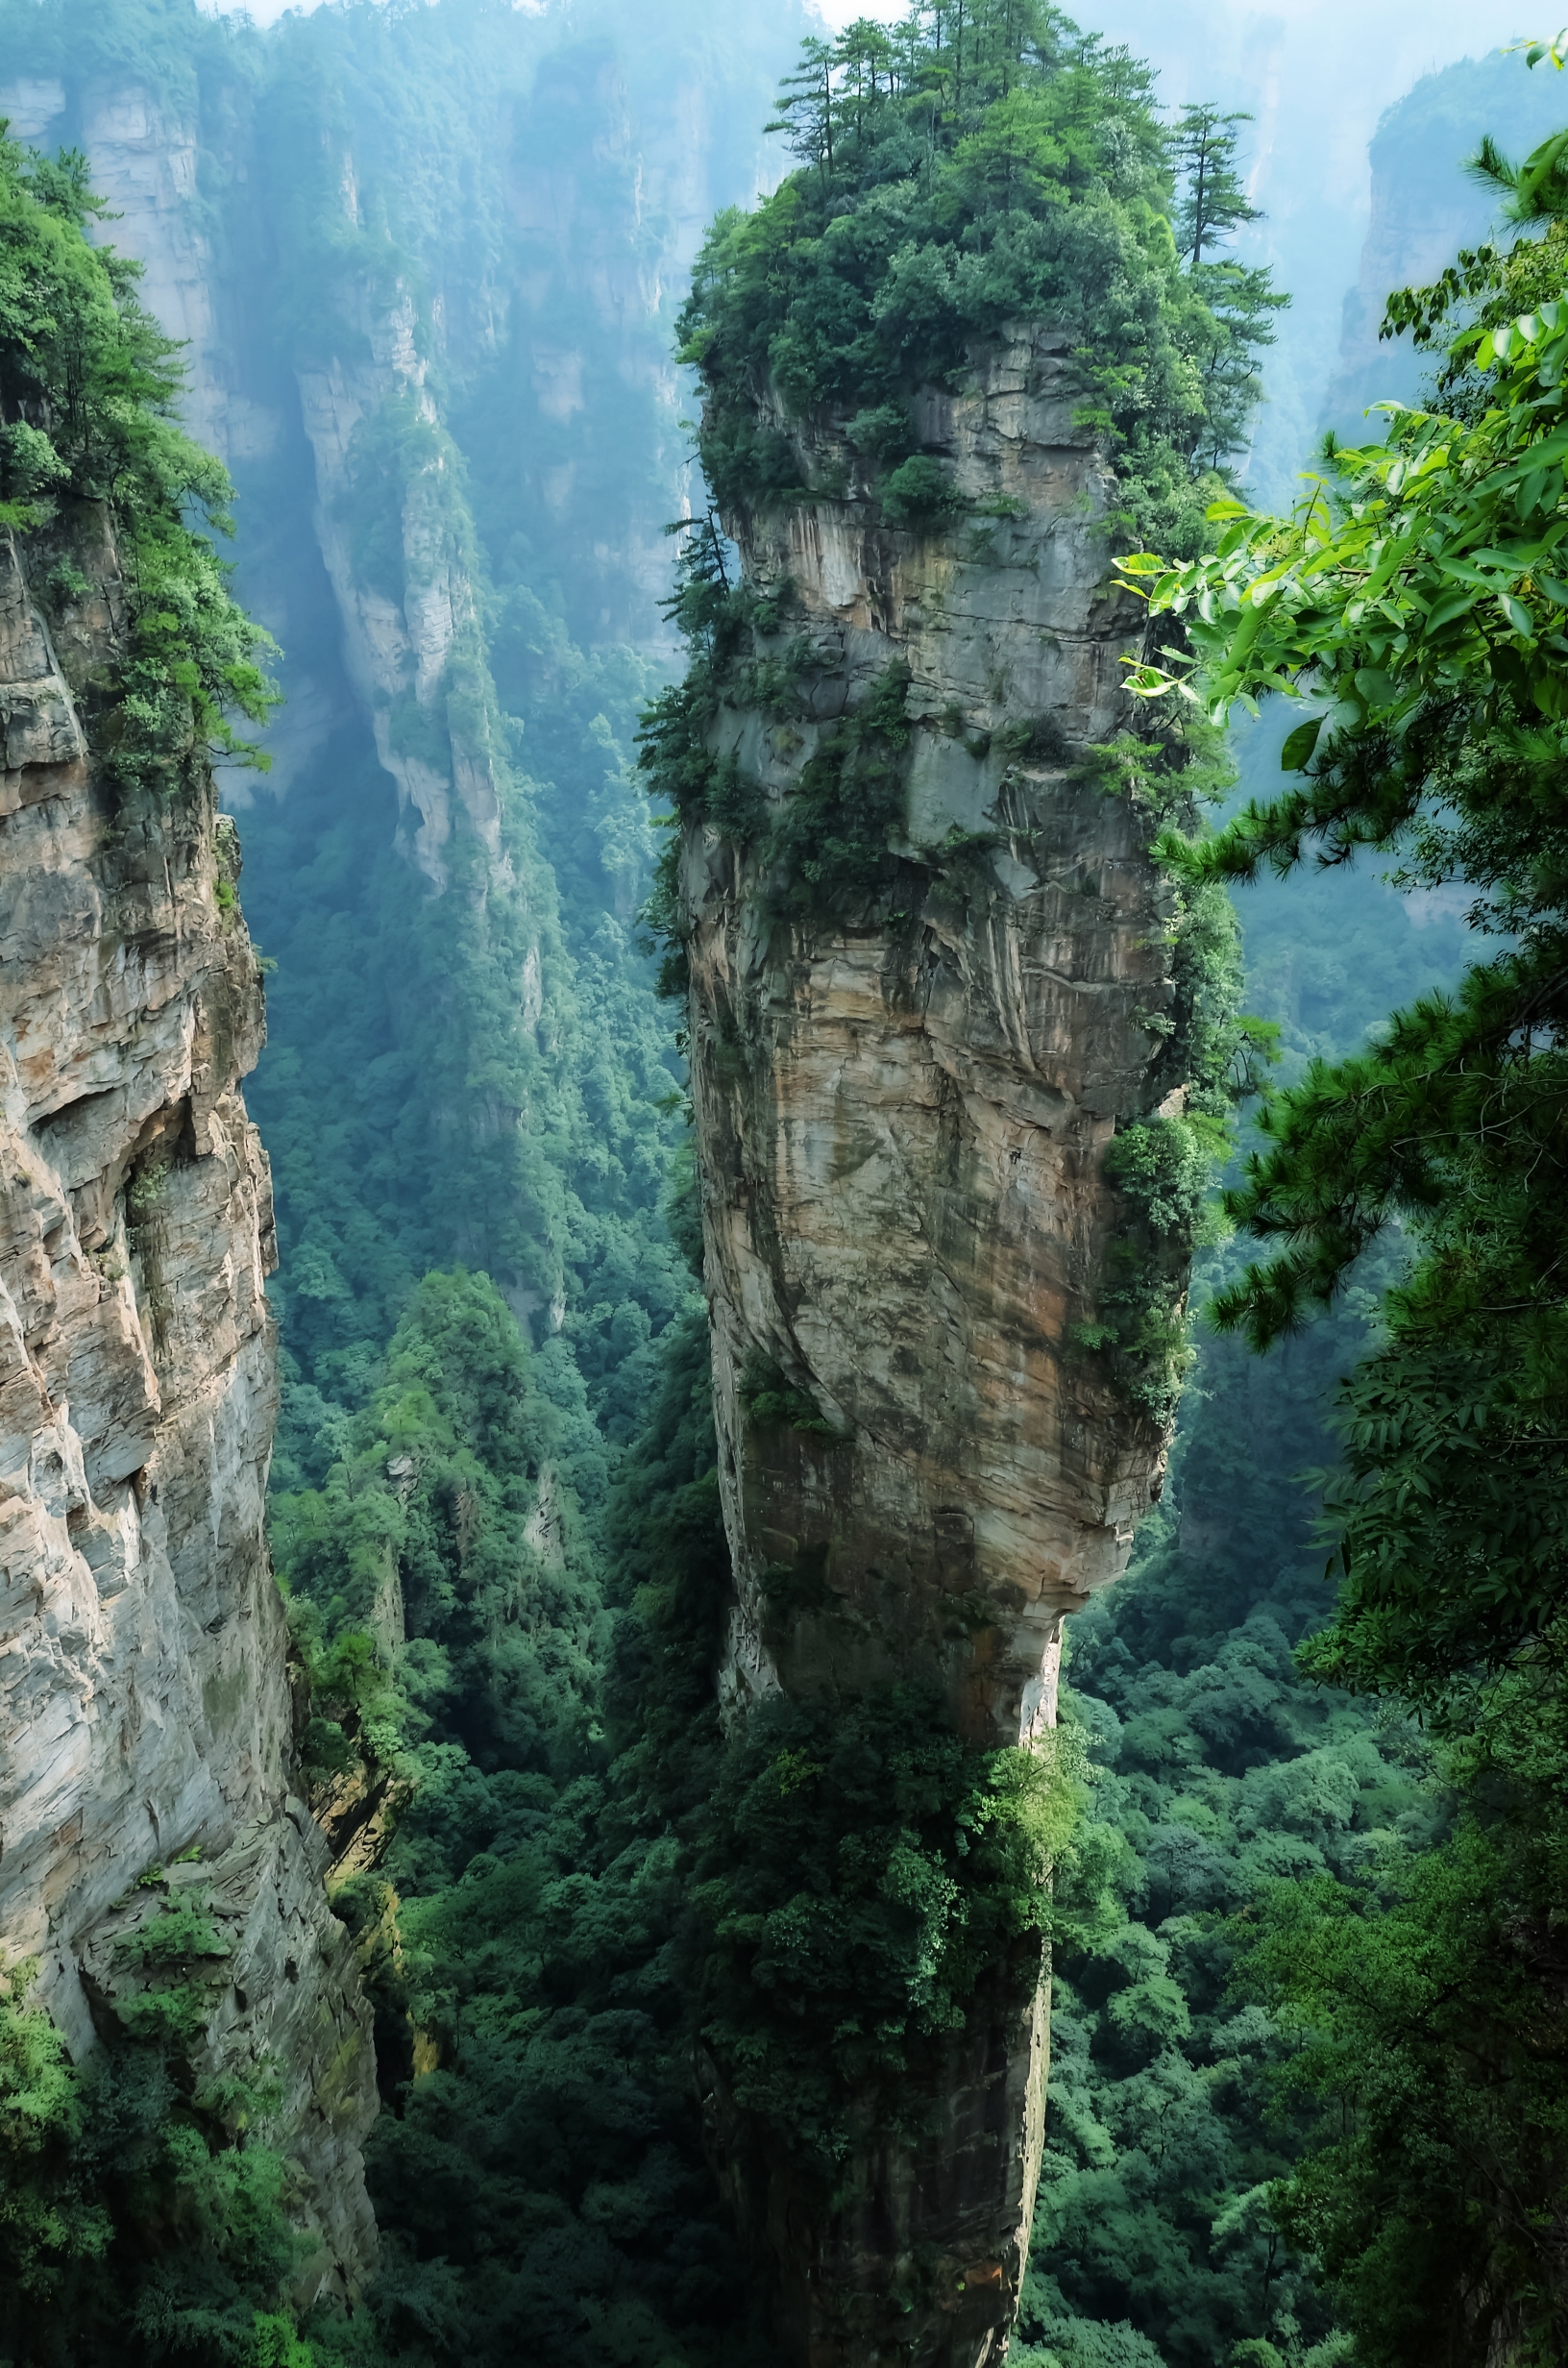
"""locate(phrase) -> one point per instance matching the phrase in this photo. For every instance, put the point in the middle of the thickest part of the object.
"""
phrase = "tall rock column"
(145, 1706)
(903, 1097)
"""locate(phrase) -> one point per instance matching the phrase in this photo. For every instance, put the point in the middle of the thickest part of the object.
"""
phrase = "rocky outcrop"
(143, 1702)
(431, 341)
(902, 1104)
(148, 163)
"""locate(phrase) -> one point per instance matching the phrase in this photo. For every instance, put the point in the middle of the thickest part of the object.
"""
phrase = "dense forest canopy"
(1305, 2101)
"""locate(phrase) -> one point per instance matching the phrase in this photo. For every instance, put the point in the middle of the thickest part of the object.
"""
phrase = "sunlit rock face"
(144, 1706)
(902, 1113)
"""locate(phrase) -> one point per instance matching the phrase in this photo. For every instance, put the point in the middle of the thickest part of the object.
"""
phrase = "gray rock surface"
(144, 1709)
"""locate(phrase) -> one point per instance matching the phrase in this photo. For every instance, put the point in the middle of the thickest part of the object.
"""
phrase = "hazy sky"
(1318, 73)
(1315, 75)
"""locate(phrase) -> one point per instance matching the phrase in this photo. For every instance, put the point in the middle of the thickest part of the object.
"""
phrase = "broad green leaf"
(1464, 572)
(1297, 752)
(1452, 606)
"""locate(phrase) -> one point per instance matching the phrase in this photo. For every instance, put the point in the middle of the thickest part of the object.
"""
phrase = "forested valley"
(448, 279)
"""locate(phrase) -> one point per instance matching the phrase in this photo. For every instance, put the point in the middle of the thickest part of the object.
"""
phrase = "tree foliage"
(1413, 602)
(1213, 201)
(859, 1873)
(538, 1491)
(1429, 2003)
(970, 165)
(1410, 602)
(89, 394)
(140, 2216)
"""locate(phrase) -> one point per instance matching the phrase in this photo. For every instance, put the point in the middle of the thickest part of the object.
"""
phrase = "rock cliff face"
(143, 1703)
(400, 651)
(901, 1117)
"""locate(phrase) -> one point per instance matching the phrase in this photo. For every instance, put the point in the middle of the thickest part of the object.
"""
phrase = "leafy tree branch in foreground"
(1415, 604)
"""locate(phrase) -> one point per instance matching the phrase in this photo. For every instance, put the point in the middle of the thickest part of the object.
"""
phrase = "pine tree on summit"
(805, 103)
(979, 162)
(1239, 297)
(1215, 203)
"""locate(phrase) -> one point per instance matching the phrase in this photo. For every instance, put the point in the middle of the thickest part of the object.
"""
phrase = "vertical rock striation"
(144, 1708)
(902, 1104)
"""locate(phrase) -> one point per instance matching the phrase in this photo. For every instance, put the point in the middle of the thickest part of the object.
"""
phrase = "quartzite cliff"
(901, 1118)
(144, 1709)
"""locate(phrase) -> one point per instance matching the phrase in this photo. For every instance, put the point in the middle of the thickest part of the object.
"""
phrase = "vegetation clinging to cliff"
(1413, 599)
(858, 1873)
(1215, 1056)
(827, 843)
(963, 168)
(89, 390)
(552, 2155)
(140, 2212)
(959, 169)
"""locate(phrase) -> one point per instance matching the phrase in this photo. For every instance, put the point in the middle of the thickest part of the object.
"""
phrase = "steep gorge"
(380, 359)
(903, 1095)
(424, 262)
(937, 1421)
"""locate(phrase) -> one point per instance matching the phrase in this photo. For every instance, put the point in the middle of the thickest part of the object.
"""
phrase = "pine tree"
(869, 63)
(807, 106)
(1215, 202)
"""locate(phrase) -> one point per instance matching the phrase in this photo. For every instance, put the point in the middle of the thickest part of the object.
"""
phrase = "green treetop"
(978, 162)
(1213, 201)
(1416, 604)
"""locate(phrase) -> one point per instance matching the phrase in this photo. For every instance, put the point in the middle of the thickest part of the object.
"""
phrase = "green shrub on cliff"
(50, 2219)
(89, 392)
(138, 2220)
(858, 1874)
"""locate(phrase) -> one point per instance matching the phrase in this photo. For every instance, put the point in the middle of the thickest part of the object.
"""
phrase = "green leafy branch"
(1409, 569)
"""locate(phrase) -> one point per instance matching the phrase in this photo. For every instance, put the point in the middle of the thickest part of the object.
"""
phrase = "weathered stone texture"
(901, 1117)
(143, 1702)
